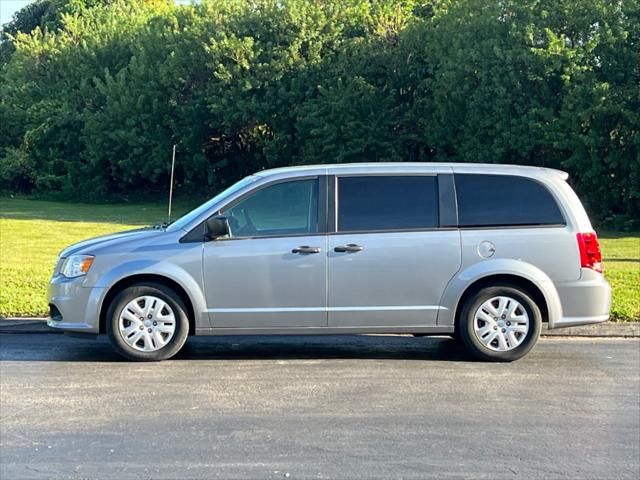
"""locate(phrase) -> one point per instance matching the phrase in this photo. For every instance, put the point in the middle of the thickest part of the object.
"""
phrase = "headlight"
(76, 265)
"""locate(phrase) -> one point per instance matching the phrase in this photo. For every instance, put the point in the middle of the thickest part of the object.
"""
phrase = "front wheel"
(500, 323)
(147, 322)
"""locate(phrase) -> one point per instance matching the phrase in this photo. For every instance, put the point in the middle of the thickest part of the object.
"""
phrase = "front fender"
(168, 270)
(501, 266)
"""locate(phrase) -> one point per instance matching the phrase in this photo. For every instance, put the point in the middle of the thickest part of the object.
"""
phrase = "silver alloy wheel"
(147, 323)
(501, 323)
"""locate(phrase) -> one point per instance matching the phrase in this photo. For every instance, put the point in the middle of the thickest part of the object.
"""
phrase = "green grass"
(621, 252)
(33, 232)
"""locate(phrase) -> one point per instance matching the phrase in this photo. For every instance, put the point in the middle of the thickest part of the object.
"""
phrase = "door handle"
(306, 249)
(350, 247)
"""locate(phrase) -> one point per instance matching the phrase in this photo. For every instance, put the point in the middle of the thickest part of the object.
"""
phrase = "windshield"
(186, 219)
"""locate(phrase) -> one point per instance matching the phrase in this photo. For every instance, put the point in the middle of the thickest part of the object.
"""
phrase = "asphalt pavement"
(319, 407)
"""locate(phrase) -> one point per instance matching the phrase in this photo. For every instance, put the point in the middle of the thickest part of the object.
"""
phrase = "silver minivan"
(484, 253)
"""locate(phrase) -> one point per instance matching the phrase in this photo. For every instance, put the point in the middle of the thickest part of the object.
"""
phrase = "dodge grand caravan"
(485, 253)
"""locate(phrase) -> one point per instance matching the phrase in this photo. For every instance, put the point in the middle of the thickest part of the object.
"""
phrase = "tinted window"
(287, 208)
(503, 200)
(387, 203)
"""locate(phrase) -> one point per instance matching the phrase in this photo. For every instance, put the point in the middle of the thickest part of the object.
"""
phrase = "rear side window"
(504, 200)
(378, 203)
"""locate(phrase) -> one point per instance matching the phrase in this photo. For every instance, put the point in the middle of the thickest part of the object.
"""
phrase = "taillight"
(590, 255)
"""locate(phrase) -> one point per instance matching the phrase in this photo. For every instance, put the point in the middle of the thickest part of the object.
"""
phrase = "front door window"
(283, 209)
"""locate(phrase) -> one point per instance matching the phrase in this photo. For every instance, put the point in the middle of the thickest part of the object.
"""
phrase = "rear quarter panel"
(553, 250)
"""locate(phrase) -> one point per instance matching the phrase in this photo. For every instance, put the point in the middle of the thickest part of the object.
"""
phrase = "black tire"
(465, 326)
(175, 343)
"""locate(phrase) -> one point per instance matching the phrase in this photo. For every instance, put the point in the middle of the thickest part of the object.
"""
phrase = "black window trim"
(446, 197)
(499, 226)
(448, 201)
(196, 234)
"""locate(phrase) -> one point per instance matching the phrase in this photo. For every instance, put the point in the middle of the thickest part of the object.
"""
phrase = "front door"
(271, 270)
(389, 261)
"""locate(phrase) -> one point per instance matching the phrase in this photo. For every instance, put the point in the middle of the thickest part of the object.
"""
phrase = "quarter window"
(288, 208)
(378, 203)
(504, 200)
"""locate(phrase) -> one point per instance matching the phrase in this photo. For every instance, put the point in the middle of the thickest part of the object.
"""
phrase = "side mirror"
(217, 226)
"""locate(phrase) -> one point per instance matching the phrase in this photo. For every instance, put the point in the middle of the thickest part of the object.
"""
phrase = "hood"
(91, 245)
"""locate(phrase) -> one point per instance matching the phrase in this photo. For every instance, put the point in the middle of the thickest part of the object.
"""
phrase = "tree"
(96, 92)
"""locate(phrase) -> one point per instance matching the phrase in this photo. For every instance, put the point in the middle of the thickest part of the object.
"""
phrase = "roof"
(413, 167)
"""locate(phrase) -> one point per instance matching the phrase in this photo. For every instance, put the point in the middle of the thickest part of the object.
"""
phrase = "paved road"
(319, 407)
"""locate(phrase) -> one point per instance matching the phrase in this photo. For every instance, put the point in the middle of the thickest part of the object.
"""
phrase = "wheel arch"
(500, 271)
(143, 278)
(507, 280)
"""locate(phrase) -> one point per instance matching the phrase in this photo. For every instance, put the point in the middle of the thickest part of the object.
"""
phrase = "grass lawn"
(33, 232)
(621, 252)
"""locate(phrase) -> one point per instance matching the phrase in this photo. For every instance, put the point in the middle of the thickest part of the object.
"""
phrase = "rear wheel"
(500, 323)
(147, 322)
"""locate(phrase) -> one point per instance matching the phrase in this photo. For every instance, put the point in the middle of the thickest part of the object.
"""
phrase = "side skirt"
(431, 330)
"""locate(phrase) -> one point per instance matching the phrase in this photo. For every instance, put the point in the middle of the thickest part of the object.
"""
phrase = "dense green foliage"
(95, 92)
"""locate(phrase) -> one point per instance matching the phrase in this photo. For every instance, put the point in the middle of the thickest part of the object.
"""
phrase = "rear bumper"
(585, 301)
(74, 308)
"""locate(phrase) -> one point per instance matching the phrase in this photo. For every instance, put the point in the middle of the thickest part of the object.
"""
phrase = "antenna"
(173, 165)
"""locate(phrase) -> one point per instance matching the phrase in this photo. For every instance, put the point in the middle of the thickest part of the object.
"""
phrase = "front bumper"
(73, 307)
(585, 301)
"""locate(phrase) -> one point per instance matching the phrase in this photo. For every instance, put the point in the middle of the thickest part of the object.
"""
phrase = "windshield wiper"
(160, 226)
